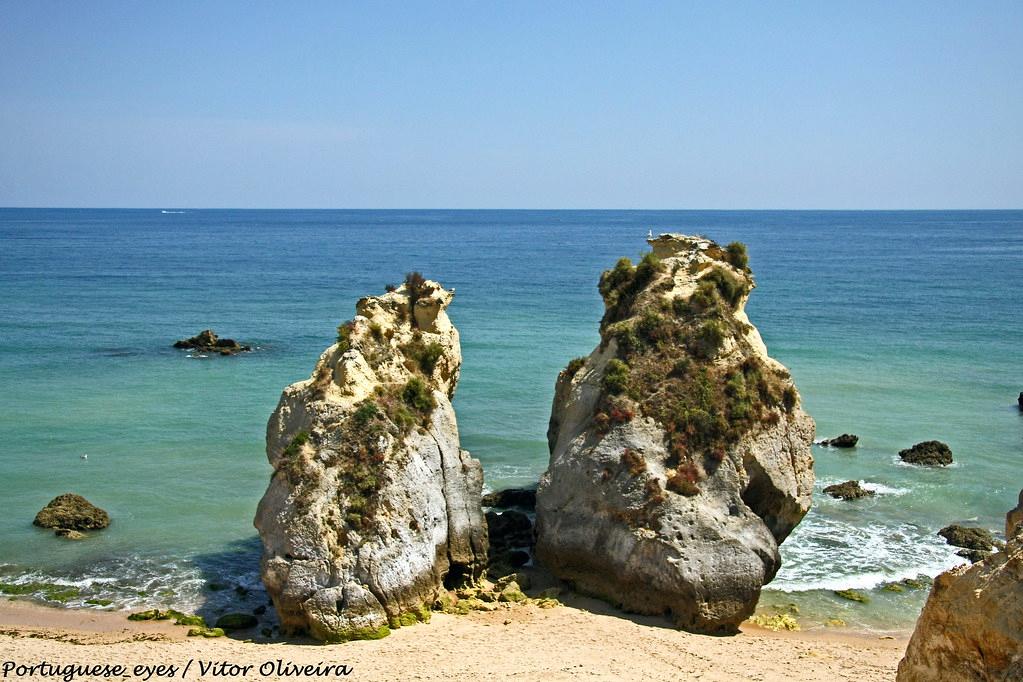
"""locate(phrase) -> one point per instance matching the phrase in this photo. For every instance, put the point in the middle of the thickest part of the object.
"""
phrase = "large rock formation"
(373, 507)
(680, 456)
(972, 625)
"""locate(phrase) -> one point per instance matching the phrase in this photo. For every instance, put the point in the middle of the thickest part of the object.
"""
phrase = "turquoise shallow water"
(897, 326)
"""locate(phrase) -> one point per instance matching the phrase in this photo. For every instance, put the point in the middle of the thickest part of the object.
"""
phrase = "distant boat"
(171, 211)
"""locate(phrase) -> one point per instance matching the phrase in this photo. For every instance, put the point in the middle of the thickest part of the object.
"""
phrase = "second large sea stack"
(680, 456)
(373, 508)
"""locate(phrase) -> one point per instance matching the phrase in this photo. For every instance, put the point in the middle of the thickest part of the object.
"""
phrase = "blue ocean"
(897, 326)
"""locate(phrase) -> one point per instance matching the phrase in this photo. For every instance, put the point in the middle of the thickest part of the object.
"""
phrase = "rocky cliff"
(1014, 518)
(971, 627)
(680, 456)
(372, 507)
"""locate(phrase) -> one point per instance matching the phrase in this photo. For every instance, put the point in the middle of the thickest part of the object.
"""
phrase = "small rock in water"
(207, 341)
(71, 512)
(850, 490)
(846, 440)
(1019, 401)
(69, 534)
(970, 538)
(927, 453)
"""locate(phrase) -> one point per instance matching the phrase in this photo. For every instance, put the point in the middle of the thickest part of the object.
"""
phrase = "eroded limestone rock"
(373, 506)
(680, 456)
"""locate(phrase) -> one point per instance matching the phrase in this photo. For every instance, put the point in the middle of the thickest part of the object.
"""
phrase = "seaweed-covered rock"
(521, 498)
(968, 537)
(373, 507)
(207, 341)
(853, 595)
(71, 512)
(680, 455)
(846, 440)
(971, 627)
(849, 490)
(927, 453)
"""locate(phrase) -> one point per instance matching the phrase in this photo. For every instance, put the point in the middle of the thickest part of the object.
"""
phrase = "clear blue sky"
(514, 105)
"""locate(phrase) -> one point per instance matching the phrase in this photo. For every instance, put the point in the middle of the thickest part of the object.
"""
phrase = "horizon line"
(409, 208)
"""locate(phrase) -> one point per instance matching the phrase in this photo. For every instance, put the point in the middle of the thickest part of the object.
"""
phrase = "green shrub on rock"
(616, 376)
(418, 396)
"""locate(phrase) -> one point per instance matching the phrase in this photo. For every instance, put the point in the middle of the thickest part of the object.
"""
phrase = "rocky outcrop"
(928, 453)
(680, 456)
(71, 512)
(373, 507)
(976, 543)
(849, 490)
(968, 537)
(207, 341)
(846, 440)
(972, 625)
(1014, 518)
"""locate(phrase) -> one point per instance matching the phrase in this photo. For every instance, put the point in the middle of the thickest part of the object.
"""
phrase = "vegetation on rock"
(668, 365)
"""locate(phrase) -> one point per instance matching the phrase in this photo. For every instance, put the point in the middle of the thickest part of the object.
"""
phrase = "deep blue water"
(898, 326)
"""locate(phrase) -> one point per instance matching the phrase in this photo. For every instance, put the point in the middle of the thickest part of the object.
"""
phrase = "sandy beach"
(587, 640)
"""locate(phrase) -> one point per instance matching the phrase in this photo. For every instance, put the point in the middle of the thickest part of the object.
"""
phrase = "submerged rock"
(927, 453)
(207, 341)
(71, 512)
(970, 538)
(680, 456)
(373, 507)
(850, 490)
(971, 627)
(846, 440)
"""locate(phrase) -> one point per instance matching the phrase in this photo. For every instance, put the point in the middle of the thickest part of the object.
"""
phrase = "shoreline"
(585, 638)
